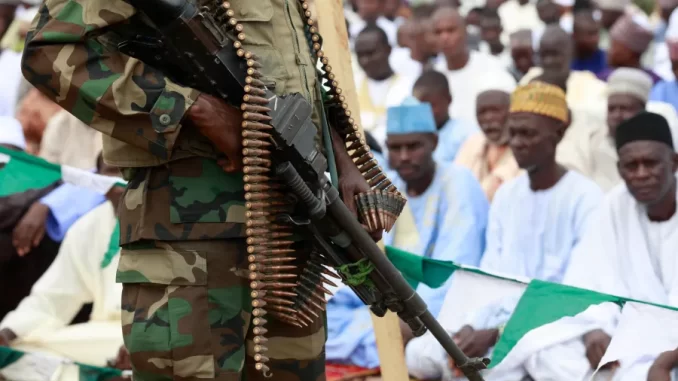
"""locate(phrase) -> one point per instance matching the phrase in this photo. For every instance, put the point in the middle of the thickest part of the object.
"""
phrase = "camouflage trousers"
(187, 316)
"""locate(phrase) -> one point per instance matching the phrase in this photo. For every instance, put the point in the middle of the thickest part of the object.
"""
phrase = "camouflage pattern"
(175, 191)
(186, 307)
(187, 317)
(187, 200)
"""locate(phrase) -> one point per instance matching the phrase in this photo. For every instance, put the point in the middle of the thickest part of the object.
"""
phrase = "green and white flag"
(20, 366)
(23, 172)
(546, 314)
(550, 314)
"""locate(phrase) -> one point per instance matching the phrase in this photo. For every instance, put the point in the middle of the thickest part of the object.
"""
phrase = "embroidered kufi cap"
(411, 117)
(542, 99)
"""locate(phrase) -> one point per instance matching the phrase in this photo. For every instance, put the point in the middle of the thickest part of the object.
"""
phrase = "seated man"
(432, 87)
(42, 224)
(487, 154)
(449, 213)
(629, 251)
(535, 221)
(18, 274)
(378, 86)
(83, 272)
(593, 154)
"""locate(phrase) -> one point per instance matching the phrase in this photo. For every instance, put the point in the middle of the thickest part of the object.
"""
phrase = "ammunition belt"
(278, 289)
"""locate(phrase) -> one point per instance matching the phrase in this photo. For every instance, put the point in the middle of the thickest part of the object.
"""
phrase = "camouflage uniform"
(186, 307)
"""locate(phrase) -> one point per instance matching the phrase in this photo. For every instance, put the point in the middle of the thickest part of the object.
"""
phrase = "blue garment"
(381, 160)
(660, 32)
(595, 64)
(451, 137)
(454, 210)
(67, 204)
(666, 91)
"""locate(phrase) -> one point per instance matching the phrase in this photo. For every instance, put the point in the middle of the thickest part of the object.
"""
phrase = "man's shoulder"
(579, 185)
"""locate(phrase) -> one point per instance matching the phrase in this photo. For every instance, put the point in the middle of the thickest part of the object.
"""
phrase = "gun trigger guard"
(286, 218)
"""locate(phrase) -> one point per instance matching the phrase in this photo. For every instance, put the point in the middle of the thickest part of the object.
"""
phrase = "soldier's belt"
(283, 167)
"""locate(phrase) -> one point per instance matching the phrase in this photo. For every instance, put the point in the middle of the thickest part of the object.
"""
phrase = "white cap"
(564, 3)
(11, 132)
(626, 80)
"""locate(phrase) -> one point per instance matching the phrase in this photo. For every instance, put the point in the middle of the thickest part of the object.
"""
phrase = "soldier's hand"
(30, 230)
(221, 124)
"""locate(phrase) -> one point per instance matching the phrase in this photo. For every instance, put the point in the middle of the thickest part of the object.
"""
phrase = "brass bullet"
(255, 116)
(281, 301)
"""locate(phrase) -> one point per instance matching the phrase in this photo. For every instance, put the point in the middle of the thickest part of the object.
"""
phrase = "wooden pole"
(332, 27)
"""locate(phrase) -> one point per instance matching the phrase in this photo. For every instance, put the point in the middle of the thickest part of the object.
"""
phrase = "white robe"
(72, 280)
(614, 257)
(465, 85)
(530, 235)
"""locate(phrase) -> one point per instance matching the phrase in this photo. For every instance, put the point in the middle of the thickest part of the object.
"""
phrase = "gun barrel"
(414, 307)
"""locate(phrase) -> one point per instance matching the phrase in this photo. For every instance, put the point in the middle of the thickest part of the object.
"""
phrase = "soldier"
(186, 302)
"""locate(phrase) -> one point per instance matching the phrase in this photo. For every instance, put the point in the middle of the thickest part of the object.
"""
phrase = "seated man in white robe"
(378, 86)
(432, 87)
(449, 212)
(83, 272)
(629, 251)
(535, 221)
(593, 153)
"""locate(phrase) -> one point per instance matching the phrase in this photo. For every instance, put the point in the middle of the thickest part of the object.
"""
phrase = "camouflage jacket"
(176, 191)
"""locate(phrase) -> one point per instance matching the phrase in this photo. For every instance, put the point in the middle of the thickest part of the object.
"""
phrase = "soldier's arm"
(112, 92)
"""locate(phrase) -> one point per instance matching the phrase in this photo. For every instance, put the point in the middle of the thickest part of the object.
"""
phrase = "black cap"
(644, 126)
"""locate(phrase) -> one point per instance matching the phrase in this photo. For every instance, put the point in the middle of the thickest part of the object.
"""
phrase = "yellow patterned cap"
(542, 99)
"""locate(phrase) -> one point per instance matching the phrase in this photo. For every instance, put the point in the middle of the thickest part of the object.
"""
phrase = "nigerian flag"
(540, 314)
(23, 172)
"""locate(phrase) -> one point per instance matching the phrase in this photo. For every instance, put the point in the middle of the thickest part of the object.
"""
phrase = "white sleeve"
(58, 295)
(425, 357)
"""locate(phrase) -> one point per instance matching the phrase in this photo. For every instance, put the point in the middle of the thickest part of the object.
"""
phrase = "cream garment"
(375, 97)
(584, 91)
(75, 278)
(474, 155)
(591, 152)
(68, 141)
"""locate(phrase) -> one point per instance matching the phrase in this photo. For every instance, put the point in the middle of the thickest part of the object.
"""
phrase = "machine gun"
(205, 43)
